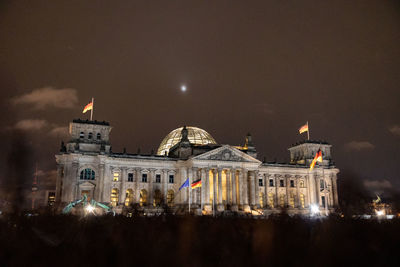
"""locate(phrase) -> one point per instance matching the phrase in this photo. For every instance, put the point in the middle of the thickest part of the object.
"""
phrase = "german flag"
(88, 107)
(318, 157)
(196, 184)
(303, 128)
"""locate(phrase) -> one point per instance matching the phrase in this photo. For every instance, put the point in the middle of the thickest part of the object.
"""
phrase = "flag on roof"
(303, 128)
(88, 107)
(318, 157)
(196, 184)
(185, 184)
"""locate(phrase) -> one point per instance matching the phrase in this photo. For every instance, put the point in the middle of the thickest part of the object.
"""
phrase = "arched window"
(291, 200)
(157, 198)
(170, 198)
(143, 197)
(82, 135)
(98, 136)
(87, 174)
(302, 201)
(128, 197)
(271, 200)
(90, 135)
(282, 200)
(114, 197)
(261, 199)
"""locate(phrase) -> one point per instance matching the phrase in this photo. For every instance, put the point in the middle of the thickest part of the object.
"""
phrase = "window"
(260, 182)
(114, 197)
(144, 178)
(87, 174)
(143, 197)
(301, 184)
(116, 177)
(157, 198)
(323, 201)
(90, 136)
(271, 201)
(261, 199)
(291, 200)
(170, 198)
(291, 183)
(171, 179)
(302, 201)
(128, 197)
(98, 136)
(51, 198)
(321, 184)
(282, 200)
(271, 182)
(281, 183)
(158, 178)
(82, 135)
(130, 177)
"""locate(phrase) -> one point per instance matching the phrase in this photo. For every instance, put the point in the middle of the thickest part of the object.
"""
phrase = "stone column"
(241, 189)
(100, 184)
(203, 188)
(122, 186)
(276, 181)
(150, 181)
(252, 190)
(220, 205)
(297, 203)
(207, 188)
(136, 185)
(215, 200)
(246, 189)
(316, 186)
(266, 186)
(256, 190)
(228, 186)
(195, 191)
(164, 179)
(184, 191)
(335, 191)
(75, 181)
(287, 182)
(234, 206)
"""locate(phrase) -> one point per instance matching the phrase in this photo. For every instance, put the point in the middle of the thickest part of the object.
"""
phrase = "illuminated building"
(232, 176)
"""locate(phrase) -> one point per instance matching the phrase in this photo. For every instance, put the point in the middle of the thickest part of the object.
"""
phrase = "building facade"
(232, 177)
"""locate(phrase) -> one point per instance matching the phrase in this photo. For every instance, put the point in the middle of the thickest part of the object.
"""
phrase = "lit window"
(87, 174)
(114, 197)
(302, 201)
(291, 183)
(130, 177)
(282, 200)
(260, 182)
(157, 198)
(281, 183)
(158, 178)
(51, 198)
(116, 177)
(90, 135)
(291, 200)
(301, 183)
(271, 182)
(271, 200)
(82, 135)
(128, 197)
(261, 199)
(170, 198)
(144, 178)
(98, 136)
(171, 179)
(143, 197)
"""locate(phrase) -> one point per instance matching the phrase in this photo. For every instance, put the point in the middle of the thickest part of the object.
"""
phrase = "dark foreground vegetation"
(197, 241)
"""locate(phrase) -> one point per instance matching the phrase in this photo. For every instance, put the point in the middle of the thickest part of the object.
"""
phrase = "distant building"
(232, 177)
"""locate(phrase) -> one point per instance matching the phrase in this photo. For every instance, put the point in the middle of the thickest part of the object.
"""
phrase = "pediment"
(227, 153)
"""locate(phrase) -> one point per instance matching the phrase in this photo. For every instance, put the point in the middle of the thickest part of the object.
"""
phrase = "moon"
(183, 88)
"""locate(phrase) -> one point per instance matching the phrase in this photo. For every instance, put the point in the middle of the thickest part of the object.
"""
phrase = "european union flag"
(185, 184)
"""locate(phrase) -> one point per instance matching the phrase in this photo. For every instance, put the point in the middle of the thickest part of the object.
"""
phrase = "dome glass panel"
(196, 136)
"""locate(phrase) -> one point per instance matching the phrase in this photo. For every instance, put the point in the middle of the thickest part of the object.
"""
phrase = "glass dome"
(196, 136)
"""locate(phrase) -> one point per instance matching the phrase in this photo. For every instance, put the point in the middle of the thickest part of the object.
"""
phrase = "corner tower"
(302, 153)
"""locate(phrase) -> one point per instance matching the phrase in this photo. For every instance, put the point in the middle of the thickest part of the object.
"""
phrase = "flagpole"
(308, 132)
(91, 111)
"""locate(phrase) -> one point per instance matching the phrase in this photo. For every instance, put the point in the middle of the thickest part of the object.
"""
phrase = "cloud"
(48, 97)
(30, 125)
(59, 131)
(395, 129)
(359, 145)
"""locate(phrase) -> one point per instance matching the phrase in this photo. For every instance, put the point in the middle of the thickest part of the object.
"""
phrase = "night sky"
(264, 67)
